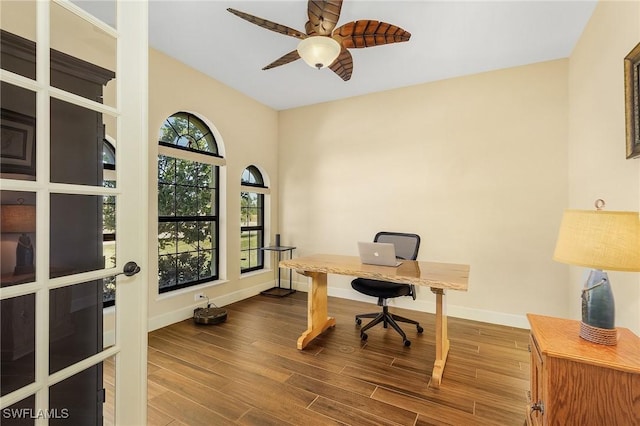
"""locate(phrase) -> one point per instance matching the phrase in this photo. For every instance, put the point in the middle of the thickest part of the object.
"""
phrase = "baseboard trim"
(500, 318)
(182, 314)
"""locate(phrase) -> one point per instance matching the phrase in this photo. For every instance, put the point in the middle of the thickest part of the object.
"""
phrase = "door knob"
(129, 269)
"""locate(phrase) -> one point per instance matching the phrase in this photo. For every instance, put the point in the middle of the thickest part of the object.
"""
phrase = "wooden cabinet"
(576, 382)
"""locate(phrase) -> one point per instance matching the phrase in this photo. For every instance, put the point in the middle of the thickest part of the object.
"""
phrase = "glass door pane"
(66, 128)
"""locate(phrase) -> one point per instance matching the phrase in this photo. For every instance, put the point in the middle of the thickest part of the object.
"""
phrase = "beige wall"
(481, 166)
(597, 165)
(476, 165)
(246, 132)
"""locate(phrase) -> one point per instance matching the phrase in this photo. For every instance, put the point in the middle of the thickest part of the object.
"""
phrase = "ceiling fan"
(324, 45)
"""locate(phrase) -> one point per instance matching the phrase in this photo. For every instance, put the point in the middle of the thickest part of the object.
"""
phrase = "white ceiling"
(449, 38)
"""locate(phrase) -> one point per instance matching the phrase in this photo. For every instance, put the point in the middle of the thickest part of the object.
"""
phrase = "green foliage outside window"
(187, 206)
(251, 222)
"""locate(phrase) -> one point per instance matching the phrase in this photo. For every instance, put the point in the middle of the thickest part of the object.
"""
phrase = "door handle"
(130, 268)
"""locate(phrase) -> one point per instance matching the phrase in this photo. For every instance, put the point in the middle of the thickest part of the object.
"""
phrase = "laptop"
(383, 254)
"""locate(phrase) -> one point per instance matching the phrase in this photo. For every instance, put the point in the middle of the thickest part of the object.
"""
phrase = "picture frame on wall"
(17, 143)
(632, 99)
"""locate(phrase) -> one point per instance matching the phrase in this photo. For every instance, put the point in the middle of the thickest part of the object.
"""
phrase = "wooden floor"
(248, 371)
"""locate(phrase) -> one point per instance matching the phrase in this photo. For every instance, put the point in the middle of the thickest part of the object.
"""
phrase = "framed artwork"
(17, 143)
(631, 96)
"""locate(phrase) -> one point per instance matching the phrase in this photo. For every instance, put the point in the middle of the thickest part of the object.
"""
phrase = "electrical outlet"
(198, 296)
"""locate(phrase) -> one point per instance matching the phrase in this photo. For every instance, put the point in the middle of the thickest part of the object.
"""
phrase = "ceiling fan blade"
(367, 33)
(279, 28)
(323, 17)
(285, 59)
(343, 65)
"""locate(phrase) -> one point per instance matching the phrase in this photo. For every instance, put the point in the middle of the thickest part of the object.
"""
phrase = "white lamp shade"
(608, 240)
(319, 51)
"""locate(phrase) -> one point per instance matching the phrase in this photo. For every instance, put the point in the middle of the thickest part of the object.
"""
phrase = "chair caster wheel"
(358, 321)
(420, 329)
(407, 343)
(363, 336)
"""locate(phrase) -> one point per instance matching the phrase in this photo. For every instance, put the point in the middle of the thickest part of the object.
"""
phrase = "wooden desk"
(438, 276)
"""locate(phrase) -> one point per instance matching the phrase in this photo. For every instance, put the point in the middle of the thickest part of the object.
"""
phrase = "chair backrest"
(406, 245)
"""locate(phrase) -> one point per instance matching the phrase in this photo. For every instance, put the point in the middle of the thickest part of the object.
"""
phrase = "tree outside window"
(187, 204)
(251, 221)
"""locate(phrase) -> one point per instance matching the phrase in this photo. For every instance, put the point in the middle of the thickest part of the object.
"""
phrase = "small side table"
(280, 291)
(577, 382)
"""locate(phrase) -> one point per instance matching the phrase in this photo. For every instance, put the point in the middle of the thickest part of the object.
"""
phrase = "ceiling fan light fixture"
(319, 51)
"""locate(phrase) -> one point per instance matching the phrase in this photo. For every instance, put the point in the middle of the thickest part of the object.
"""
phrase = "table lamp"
(20, 219)
(600, 240)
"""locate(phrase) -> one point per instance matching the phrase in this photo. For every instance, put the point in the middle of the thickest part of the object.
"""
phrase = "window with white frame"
(188, 195)
(252, 220)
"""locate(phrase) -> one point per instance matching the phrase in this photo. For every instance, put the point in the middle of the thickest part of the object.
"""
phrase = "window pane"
(76, 234)
(109, 231)
(188, 131)
(18, 228)
(75, 323)
(208, 143)
(186, 172)
(253, 260)
(17, 343)
(188, 236)
(205, 233)
(214, 267)
(109, 161)
(73, 400)
(186, 197)
(166, 169)
(167, 271)
(77, 136)
(166, 200)
(205, 262)
(109, 291)
(205, 202)
(109, 383)
(186, 201)
(18, 125)
(244, 240)
(167, 237)
(205, 176)
(244, 260)
(22, 413)
(187, 267)
(252, 176)
(109, 316)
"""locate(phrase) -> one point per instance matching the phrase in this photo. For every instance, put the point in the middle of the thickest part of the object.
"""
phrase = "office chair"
(406, 246)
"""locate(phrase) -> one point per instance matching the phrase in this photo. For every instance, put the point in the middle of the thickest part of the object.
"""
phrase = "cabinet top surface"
(560, 338)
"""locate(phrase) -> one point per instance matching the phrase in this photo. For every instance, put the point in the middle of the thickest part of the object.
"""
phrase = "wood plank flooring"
(247, 371)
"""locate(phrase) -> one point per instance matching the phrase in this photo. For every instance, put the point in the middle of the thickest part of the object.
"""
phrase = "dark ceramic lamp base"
(598, 310)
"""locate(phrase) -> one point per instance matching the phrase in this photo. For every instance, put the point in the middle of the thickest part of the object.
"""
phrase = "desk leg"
(442, 339)
(317, 316)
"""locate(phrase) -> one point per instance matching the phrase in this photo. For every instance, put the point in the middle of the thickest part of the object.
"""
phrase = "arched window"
(252, 220)
(188, 177)
(186, 131)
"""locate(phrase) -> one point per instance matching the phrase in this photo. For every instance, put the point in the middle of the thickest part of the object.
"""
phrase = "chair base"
(387, 318)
